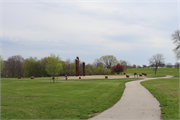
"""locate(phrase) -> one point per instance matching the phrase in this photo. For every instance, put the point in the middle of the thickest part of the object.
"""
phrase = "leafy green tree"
(89, 69)
(54, 65)
(68, 68)
(89, 72)
(72, 69)
(107, 71)
(2, 63)
(65, 68)
(31, 67)
(99, 70)
(43, 63)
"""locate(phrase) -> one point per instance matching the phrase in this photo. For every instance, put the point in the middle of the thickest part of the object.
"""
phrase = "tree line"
(16, 66)
(52, 65)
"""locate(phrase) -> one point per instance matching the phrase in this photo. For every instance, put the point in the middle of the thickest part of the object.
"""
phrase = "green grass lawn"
(166, 91)
(161, 72)
(73, 99)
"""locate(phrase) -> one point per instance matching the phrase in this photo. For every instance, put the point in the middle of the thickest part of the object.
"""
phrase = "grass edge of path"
(168, 106)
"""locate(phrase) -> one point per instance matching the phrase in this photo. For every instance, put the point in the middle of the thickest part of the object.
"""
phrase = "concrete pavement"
(136, 103)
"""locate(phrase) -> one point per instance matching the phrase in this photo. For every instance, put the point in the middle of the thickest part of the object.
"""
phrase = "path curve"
(136, 103)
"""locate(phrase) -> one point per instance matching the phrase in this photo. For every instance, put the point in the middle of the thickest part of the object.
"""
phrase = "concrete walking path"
(136, 103)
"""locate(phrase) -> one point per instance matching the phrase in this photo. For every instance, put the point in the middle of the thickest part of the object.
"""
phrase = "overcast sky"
(129, 30)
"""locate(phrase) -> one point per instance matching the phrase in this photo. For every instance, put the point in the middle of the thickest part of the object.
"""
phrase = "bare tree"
(68, 61)
(162, 65)
(176, 38)
(97, 63)
(168, 65)
(108, 61)
(123, 63)
(156, 61)
(128, 64)
(144, 66)
(134, 66)
(14, 65)
(138, 66)
(177, 65)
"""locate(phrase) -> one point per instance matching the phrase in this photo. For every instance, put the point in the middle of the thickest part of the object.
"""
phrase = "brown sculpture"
(77, 74)
(83, 68)
(77, 67)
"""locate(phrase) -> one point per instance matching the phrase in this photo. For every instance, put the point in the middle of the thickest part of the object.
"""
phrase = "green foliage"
(2, 63)
(72, 69)
(75, 99)
(92, 70)
(68, 68)
(54, 65)
(43, 63)
(34, 67)
(31, 67)
(98, 71)
(166, 91)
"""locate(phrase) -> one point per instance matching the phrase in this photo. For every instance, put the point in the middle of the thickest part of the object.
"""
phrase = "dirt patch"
(101, 77)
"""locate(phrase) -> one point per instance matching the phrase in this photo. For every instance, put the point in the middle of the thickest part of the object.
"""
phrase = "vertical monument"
(83, 68)
(77, 66)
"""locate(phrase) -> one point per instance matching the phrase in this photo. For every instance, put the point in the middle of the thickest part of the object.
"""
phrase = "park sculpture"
(77, 67)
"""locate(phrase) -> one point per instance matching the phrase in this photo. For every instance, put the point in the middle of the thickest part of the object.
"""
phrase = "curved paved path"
(136, 103)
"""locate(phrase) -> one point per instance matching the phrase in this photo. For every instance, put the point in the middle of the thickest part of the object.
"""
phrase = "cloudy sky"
(129, 30)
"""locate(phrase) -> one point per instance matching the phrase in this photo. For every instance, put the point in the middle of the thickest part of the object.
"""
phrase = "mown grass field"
(73, 99)
(161, 72)
(166, 91)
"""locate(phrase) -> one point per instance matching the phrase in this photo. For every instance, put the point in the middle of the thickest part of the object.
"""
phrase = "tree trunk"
(155, 70)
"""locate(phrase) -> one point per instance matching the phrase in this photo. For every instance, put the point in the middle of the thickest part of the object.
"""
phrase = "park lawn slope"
(161, 72)
(166, 91)
(73, 99)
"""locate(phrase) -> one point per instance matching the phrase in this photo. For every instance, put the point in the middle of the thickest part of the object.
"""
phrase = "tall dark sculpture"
(83, 68)
(77, 66)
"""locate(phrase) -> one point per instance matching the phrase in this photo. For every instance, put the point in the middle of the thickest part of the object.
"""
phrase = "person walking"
(66, 76)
